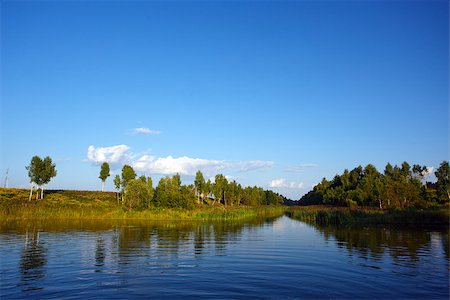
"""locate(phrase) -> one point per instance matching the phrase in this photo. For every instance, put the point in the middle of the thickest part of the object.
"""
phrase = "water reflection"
(374, 242)
(121, 243)
(273, 258)
(33, 261)
(100, 253)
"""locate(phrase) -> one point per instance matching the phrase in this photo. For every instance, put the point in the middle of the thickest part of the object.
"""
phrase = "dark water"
(278, 258)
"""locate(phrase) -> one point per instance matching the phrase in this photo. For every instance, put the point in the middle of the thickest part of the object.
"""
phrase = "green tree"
(443, 181)
(33, 172)
(207, 189)
(199, 184)
(234, 193)
(104, 173)
(170, 193)
(41, 172)
(149, 185)
(220, 189)
(127, 175)
(406, 170)
(388, 170)
(137, 194)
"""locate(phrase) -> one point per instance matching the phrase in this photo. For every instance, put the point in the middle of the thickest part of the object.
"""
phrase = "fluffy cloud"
(144, 131)
(283, 183)
(300, 168)
(112, 155)
(169, 165)
(183, 165)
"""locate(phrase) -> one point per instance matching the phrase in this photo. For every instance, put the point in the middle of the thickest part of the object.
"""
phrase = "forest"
(397, 187)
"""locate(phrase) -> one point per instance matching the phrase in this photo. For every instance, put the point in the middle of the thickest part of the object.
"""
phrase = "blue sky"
(275, 94)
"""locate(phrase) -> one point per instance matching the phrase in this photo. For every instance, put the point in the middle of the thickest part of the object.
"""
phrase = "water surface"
(262, 258)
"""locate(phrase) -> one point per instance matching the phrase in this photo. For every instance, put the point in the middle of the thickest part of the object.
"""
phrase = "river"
(262, 258)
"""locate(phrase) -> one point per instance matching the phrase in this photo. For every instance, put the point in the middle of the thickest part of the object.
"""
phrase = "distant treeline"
(398, 187)
(171, 193)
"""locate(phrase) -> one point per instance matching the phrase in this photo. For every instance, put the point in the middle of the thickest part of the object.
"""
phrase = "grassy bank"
(65, 204)
(436, 217)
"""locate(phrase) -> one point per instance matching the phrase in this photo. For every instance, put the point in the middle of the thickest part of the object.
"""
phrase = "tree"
(33, 172)
(137, 194)
(41, 172)
(406, 170)
(234, 193)
(117, 184)
(388, 170)
(170, 193)
(207, 188)
(398, 187)
(443, 181)
(48, 172)
(199, 183)
(104, 173)
(220, 188)
(127, 175)
(149, 185)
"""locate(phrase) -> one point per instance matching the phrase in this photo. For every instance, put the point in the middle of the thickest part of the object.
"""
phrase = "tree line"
(138, 192)
(397, 187)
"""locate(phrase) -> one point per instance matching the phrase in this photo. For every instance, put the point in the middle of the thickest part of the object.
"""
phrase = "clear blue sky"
(275, 94)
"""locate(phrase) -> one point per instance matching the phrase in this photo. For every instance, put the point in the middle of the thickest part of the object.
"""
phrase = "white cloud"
(144, 131)
(169, 165)
(428, 171)
(183, 165)
(113, 155)
(250, 165)
(300, 168)
(283, 183)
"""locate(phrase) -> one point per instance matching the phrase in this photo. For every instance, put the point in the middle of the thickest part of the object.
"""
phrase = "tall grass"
(326, 215)
(60, 204)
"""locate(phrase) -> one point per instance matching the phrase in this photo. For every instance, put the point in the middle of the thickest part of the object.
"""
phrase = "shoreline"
(332, 215)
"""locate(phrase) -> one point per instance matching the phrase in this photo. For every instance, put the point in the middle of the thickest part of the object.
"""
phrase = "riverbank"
(330, 215)
(68, 204)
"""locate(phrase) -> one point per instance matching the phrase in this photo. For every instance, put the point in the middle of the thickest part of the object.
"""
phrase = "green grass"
(66, 204)
(436, 217)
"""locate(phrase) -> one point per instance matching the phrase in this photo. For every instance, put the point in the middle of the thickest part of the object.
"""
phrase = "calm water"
(278, 258)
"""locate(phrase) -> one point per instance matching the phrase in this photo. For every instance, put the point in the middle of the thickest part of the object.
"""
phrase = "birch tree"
(40, 172)
(104, 173)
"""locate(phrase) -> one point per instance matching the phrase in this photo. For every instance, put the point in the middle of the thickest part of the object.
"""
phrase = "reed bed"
(328, 215)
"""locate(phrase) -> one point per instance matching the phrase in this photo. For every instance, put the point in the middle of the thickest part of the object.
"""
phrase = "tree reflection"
(373, 242)
(167, 239)
(32, 261)
(100, 253)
